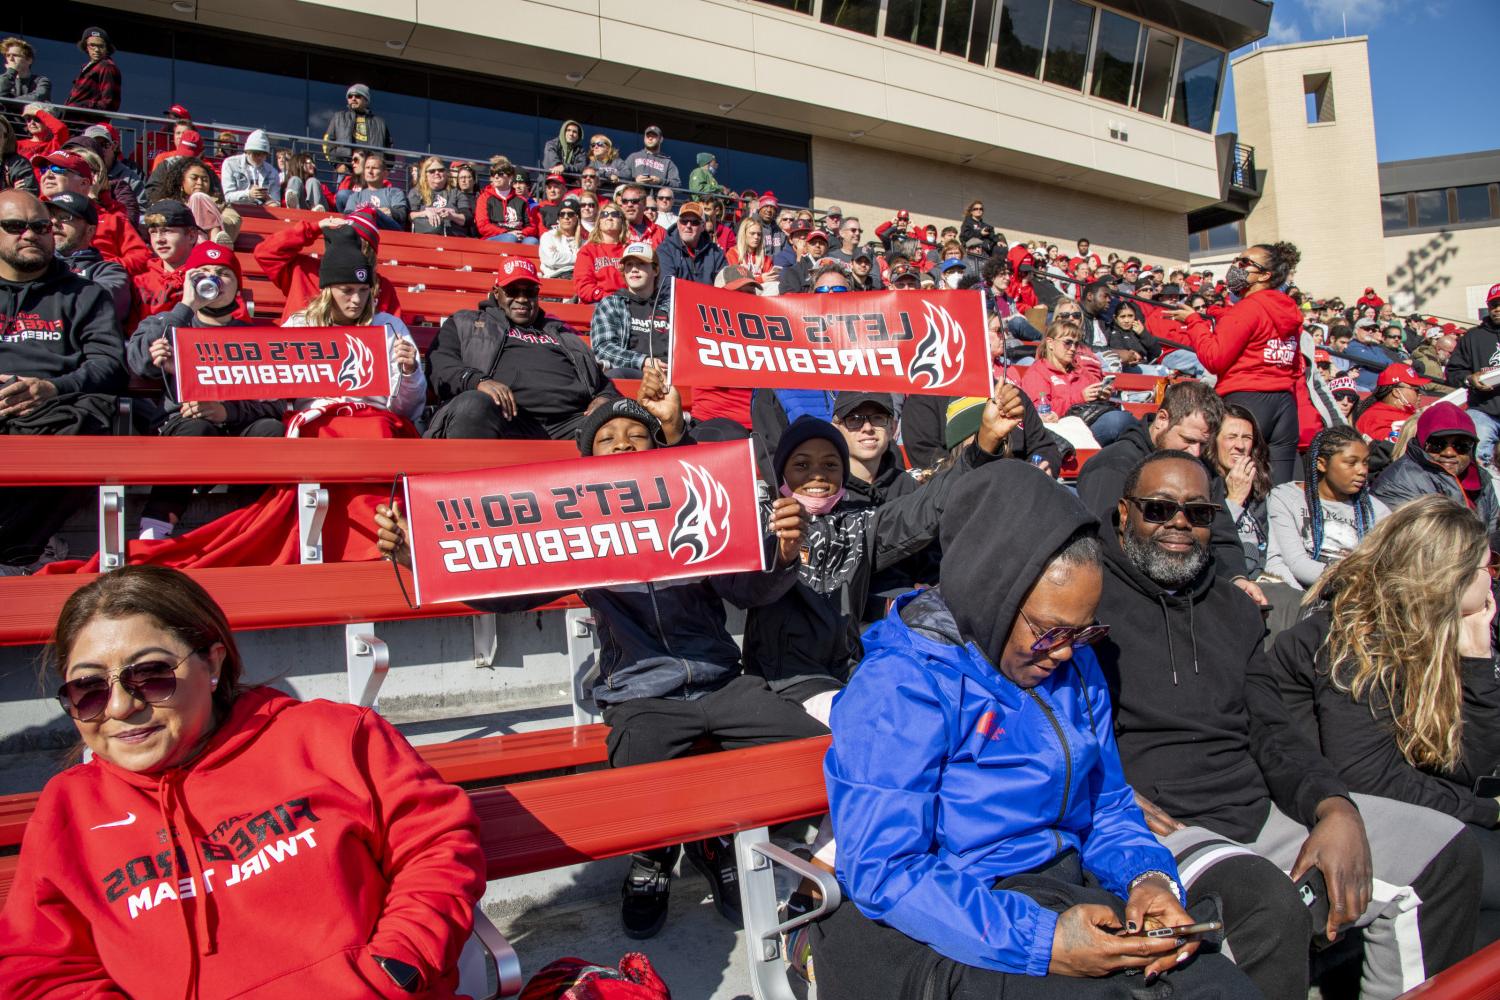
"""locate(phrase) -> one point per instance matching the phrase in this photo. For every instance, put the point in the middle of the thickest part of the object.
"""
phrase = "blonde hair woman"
(596, 270)
(436, 206)
(1393, 672)
(348, 289)
(604, 158)
(749, 250)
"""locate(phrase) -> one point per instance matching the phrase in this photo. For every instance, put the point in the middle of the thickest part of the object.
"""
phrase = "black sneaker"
(643, 907)
(714, 858)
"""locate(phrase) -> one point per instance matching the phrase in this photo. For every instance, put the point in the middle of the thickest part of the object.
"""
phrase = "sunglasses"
(15, 227)
(437, 170)
(1247, 262)
(612, 214)
(1200, 514)
(1069, 345)
(855, 421)
(598, 144)
(1438, 445)
(1064, 635)
(1068, 315)
(831, 288)
(567, 215)
(151, 681)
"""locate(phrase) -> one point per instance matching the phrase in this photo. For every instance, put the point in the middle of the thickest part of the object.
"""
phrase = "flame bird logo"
(358, 369)
(940, 355)
(702, 523)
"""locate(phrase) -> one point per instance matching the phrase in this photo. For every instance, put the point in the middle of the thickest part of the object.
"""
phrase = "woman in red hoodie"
(1253, 348)
(228, 841)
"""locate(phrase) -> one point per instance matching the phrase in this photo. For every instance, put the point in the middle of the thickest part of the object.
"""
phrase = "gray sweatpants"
(1424, 902)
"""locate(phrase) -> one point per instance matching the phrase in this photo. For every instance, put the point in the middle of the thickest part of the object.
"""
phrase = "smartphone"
(1487, 785)
(1107, 381)
(1187, 930)
(1312, 889)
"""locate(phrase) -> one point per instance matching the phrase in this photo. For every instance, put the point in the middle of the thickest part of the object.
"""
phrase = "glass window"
(798, 6)
(1114, 57)
(956, 26)
(1229, 236)
(245, 97)
(979, 34)
(1197, 86)
(1154, 72)
(1023, 29)
(1473, 203)
(1432, 208)
(856, 15)
(1068, 43)
(914, 21)
(1393, 212)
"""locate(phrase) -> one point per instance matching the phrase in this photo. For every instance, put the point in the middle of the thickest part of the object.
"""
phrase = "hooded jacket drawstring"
(1192, 633)
(1166, 622)
(199, 931)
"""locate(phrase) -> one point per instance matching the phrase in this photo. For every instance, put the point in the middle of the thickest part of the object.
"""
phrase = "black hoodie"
(1201, 726)
(62, 328)
(1477, 349)
(988, 572)
(1101, 484)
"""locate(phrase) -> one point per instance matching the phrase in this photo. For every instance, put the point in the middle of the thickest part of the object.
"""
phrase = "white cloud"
(1329, 15)
(1282, 30)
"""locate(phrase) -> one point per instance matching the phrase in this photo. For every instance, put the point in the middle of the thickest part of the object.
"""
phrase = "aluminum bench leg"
(756, 858)
(312, 509)
(368, 659)
(488, 967)
(486, 640)
(111, 528)
(583, 654)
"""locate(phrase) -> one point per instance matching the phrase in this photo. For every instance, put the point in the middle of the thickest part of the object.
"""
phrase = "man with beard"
(1232, 789)
(62, 361)
(74, 219)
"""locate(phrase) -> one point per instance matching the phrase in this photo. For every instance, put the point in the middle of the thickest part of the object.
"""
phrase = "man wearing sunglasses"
(638, 228)
(689, 251)
(62, 363)
(1247, 804)
(1444, 460)
(1473, 365)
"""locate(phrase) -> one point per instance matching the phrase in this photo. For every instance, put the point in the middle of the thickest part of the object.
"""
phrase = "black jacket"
(341, 133)
(19, 175)
(810, 636)
(1201, 728)
(1415, 475)
(698, 263)
(977, 229)
(88, 263)
(62, 328)
(1361, 743)
(1477, 349)
(138, 355)
(1140, 341)
(468, 348)
(1102, 483)
(924, 422)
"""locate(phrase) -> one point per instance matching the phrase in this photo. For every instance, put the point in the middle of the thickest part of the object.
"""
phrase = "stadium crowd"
(1245, 660)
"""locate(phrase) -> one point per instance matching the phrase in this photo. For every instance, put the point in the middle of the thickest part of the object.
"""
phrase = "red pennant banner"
(280, 362)
(933, 343)
(591, 522)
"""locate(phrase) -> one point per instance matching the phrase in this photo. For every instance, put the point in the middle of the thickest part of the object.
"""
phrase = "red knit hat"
(363, 220)
(213, 255)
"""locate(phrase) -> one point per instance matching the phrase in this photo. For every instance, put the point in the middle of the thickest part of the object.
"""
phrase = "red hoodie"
(322, 838)
(54, 134)
(1253, 345)
(293, 271)
(596, 271)
(498, 214)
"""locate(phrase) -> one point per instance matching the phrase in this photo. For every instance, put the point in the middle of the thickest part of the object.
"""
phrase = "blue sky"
(1433, 68)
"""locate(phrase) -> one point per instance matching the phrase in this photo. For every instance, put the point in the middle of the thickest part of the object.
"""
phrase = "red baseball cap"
(903, 215)
(212, 255)
(178, 111)
(71, 162)
(516, 270)
(1494, 293)
(191, 142)
(557, 178)
(1320, 356)
(1400, 374)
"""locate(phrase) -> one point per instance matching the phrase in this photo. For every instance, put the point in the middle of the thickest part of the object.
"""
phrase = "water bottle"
(207, 288)
(1044, 407)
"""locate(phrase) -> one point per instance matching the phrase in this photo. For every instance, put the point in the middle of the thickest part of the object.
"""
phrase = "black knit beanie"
(344, 260)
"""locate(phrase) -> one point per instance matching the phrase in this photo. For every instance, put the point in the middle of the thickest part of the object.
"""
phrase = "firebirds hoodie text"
(1253, 345)
(62, 328)
(306, 838)
(945, 776)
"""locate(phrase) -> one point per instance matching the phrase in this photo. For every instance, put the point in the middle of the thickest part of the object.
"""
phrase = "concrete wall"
(871, 184)
(1322, 188)
(1445, 273)
(754, 62)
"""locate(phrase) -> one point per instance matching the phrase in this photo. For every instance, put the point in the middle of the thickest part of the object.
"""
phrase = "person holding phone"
(973, 782)
(1245, 802)
(1393, 673)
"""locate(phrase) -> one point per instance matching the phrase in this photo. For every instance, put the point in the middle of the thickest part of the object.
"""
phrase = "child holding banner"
(347, 296)
(669, 672)
(149, 355)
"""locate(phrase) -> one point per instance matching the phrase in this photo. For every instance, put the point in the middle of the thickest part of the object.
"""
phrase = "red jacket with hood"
(284, 257)
(497, 214)
(322, 837)
(1253, 346)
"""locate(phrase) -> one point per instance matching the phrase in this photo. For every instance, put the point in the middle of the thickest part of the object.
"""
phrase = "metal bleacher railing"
(142, 137)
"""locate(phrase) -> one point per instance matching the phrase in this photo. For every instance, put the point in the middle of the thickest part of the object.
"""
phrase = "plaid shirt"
(97, 87)
(610, 334)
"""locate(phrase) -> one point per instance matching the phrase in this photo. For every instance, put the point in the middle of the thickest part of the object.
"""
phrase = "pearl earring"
(214, 683)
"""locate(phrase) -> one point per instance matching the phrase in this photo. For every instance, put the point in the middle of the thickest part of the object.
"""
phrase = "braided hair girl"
(1315, 522)
(1323, 475)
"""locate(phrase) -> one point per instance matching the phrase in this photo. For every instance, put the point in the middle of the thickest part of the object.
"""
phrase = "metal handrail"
(152, 135)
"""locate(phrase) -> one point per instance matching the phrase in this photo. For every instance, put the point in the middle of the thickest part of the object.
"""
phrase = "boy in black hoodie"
(1228, 784)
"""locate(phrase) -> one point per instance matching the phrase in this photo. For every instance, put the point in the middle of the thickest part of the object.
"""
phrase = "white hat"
(258, 143)
(639, 251)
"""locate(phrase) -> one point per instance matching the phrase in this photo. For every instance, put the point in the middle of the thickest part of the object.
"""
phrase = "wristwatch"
(408, 978)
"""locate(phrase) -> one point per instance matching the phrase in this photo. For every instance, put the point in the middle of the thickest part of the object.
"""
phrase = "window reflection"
(856, 15)
(1393, 212)
(1197, 86)
(1023, 29)
(1473, 203)
(1154, 72)
(979, 32)
(1432, 208)
(914, 21)
(956, 27)
(1114, 57)
(1068, 43)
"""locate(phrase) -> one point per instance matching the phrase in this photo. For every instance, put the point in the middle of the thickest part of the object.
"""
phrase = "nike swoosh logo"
(129, 819)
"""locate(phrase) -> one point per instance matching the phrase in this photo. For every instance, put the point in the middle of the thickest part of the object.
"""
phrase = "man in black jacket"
(62, 363)
(1187, 420)
(507, 370)
(1228, 784)
(1474, 365)
(74, 222)
(356, 125)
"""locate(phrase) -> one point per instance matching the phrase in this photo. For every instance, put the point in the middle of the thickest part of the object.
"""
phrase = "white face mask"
(952, 278)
